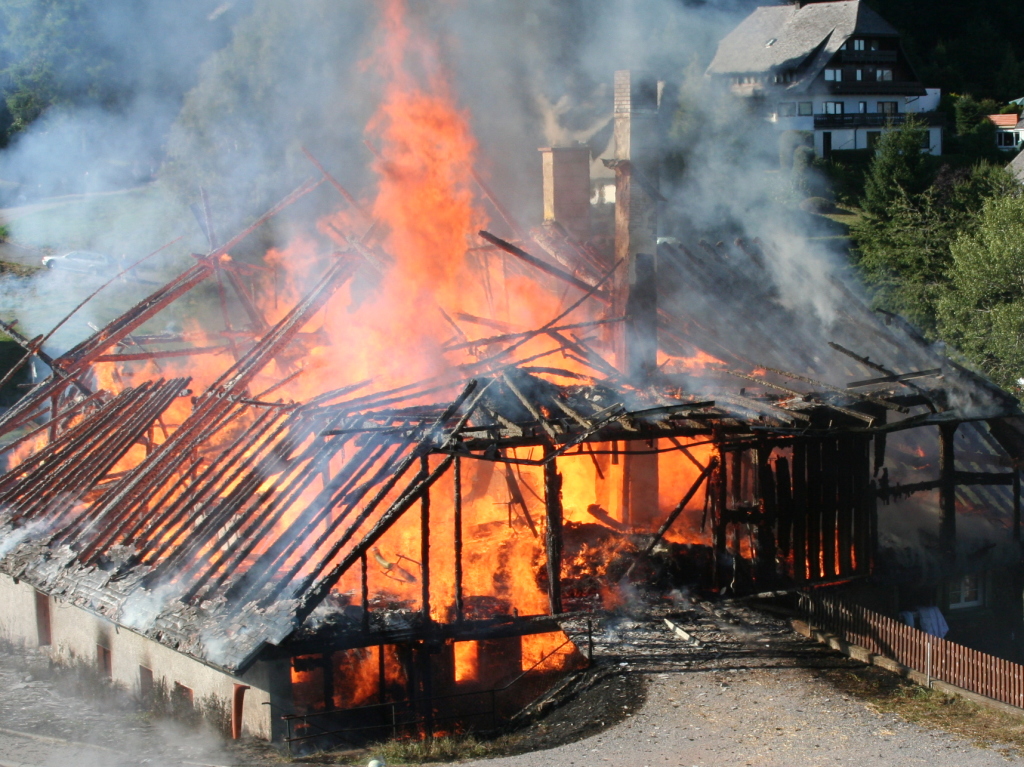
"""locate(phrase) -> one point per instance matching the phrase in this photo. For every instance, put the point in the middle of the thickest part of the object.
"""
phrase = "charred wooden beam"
(800, 511)
(835, 389)
(814, 509)
(457, 525)
(947, 490)
(764, 565)
(543, 266)
(160, 355)
(553, 536)
(425, 541)
(846, 465)
(895, 378)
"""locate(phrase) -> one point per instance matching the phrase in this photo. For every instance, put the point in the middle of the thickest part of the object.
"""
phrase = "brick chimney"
(566, 184)
(636, 164)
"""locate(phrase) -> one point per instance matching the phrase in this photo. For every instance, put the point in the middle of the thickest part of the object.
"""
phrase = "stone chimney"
(566, 184)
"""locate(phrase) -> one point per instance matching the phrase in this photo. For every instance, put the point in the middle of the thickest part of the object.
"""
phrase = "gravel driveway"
(753, 695)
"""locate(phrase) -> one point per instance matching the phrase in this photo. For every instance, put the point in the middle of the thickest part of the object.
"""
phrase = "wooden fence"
(937, 658)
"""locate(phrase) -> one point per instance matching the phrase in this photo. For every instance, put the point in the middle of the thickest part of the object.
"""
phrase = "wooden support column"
(947, 491)
(1016, 504)
(765, 563)
(327, 667)
(799, 511)
(365, 593)
(814, 510)
(846, 466)
(425, 542)
(863, 497)
(553, 537)
(721, 516)
(829, 505)
(459, 606)
(784, 506)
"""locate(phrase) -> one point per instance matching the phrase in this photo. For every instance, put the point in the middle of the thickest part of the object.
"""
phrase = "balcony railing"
(862, 120)
(868, 57)
(876, 88)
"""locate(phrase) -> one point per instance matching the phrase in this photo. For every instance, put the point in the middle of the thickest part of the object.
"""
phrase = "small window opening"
(145, 683)
(103, 660)
(43, 631)
(182, 699)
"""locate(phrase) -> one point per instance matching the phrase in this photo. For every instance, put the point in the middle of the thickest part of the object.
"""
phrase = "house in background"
(1009, 131)
(834, 70)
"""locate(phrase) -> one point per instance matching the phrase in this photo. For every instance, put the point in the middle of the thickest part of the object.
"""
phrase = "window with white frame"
(805, 108)
(862, 107)
(833, 75)
(860, 75)
(833, 107)
(858, 45)
(787, 109)
(1007, 139)
(883, 75)
(967, 591)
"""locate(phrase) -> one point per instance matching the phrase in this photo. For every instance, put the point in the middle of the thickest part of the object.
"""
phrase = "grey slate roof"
(1017, 166)
(803, 36)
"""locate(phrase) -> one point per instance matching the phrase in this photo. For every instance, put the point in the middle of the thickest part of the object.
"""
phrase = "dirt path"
(753, 695)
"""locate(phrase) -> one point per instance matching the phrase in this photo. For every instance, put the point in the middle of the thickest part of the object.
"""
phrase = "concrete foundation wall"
(76, 633)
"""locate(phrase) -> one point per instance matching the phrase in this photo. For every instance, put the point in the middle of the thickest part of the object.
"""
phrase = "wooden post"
(846, 467)
(765, 562)
(425, 541)
(721, 507)
(947, 491)
(365, 591)
(1016, 504)
(829, 503)
(784, 505)
(553, 537)
(863, 499)
(459, 606)
(799, 511)
(814, 510)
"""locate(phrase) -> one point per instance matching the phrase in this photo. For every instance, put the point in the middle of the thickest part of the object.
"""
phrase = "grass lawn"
(130, 223)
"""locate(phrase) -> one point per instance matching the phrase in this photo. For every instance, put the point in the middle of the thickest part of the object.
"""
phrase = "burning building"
(379, 502)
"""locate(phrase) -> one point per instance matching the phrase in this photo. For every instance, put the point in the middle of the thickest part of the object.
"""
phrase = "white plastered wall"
(75, 634)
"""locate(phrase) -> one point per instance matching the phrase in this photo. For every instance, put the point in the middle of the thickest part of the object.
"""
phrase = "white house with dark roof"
(834, 69)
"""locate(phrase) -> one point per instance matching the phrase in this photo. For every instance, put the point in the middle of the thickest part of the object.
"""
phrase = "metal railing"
(874, 119)
(404, 715)
(936, 658)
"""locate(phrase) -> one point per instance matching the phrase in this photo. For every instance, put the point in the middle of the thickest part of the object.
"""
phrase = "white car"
(82, 262)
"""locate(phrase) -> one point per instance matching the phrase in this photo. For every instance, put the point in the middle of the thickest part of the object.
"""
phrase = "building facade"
(835, 71)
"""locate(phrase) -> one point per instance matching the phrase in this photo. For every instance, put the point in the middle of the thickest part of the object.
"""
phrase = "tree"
(905, 258)
(900, 169)
(983, 312)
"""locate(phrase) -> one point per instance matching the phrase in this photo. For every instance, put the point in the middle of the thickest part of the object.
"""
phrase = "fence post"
(928, 661)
